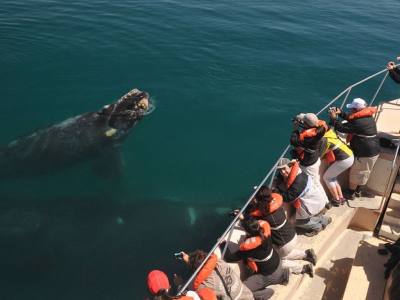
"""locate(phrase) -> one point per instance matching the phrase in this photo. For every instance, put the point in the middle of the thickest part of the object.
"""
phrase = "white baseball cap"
(358, 103)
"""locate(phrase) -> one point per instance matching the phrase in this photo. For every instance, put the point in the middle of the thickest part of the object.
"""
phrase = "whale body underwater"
(93, 136)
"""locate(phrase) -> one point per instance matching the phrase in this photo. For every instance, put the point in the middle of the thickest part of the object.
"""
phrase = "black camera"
(178, 255)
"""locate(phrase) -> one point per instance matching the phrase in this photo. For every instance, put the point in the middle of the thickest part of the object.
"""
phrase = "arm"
(343, 127)
(296, 188)
(295, 138)
(232, 256)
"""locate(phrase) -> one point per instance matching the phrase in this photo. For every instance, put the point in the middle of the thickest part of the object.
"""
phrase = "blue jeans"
(316, 223)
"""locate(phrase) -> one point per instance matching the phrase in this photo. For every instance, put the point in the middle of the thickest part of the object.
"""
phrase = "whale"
(92, 136)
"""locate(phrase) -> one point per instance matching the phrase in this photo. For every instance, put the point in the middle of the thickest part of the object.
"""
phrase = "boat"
(349, 266)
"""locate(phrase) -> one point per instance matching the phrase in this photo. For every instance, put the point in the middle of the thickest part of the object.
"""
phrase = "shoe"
(308, 269)
(342, 201)
(311, 257)
(349, 194)
(312, 232)
(335, 203)
(328, 221)
(285, 276)
(357, 194)
(328, 205)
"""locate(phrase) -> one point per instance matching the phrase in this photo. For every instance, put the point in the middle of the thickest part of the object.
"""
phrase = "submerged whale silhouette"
(85, 137)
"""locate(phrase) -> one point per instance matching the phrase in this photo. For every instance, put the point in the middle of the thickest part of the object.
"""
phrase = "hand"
(391, 65)
(185, 257)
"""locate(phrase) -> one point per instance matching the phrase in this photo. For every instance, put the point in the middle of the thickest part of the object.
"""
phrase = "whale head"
(130, 108)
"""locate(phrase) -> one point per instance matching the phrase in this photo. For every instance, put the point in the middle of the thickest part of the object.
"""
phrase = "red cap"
(156, 281)
(206, 294)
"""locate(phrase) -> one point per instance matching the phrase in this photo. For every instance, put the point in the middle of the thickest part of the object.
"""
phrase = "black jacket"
(313, 146)
(261, 252)
(395, 74)
(361, 146)
(295, 190)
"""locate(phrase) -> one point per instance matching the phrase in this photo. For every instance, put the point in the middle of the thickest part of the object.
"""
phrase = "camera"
(332, 109)
(178, 255)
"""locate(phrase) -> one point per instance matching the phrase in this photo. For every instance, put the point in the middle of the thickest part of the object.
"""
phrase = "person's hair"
(196, 258)
(251, 226)
(264, 194)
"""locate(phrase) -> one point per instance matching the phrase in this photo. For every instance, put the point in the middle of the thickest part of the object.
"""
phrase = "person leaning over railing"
(216, 275)
(308, 142)
(298, 189)
(268, 206)
(261, 258)
(394, 71)
(339, 157)
(360, 126)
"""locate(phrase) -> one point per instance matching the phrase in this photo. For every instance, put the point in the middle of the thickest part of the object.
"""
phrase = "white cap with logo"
(358, 103)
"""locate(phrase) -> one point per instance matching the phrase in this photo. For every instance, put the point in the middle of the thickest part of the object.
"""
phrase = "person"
(394, 71)
(216, 275)
(159, 287)
(307, 138)
(298, 188)
(267, 206)
(340, 157)
(360, 126)
(262, 259)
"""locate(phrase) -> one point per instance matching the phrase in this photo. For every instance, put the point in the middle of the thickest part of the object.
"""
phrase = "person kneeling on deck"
(298, 188)
(262, 259)
(216, 275)
(307, 138)
(360, 126)
(340, 157)
(268, 206)
(159, 287)
(394, 71)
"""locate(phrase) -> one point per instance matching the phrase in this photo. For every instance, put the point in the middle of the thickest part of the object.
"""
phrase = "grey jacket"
(226, 283)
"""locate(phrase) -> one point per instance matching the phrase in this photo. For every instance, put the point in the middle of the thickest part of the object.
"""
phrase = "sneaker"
(335, 203)
(328, 205)
(312, 232)
(357, 194)
(311, 257)
(342, 201)
(308, 269)
(328, 221)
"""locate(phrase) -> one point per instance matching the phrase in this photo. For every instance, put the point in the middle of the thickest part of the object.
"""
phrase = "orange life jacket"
(365, 112)
(291, 178)
(208, 267)
(311, 132)
(255, 241)
(275, 204)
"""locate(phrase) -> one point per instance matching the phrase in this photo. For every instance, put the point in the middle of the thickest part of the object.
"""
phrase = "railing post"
(379, 88)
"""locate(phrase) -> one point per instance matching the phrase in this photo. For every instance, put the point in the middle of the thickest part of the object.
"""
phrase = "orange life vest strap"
(365, 112)
(266, 228)
(250, 243)
(293, 174)
(252, 265)
(297, 203)
(208, 267)
(276, 202)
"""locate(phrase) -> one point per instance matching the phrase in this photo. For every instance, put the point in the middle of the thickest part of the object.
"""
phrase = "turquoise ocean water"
(225, 77)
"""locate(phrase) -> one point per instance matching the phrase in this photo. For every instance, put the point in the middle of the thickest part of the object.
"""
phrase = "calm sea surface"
(225, 77)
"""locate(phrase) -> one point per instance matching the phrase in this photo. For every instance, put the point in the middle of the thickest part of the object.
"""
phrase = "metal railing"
(227, 233)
